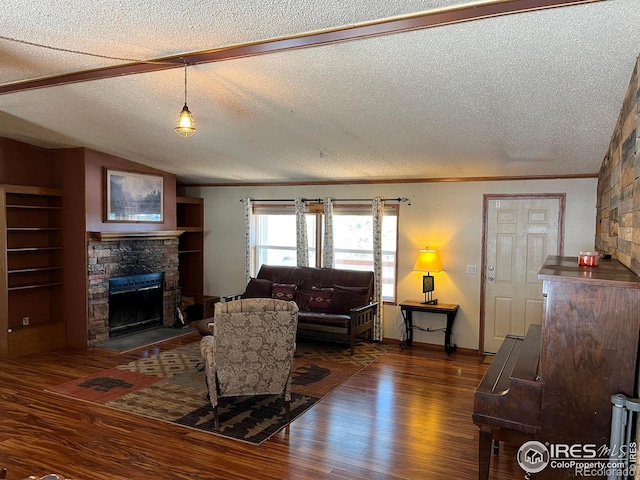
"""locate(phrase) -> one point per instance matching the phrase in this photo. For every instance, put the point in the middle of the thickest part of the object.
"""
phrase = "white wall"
(446, 216)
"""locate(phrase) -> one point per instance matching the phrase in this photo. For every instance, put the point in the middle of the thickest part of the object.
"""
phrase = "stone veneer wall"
(618, 206)
(121, 258)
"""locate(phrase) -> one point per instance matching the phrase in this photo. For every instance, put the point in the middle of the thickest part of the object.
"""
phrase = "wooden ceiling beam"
(435, 18)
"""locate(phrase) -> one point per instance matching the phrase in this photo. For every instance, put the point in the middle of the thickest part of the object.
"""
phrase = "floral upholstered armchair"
(251, 350)
(51, 476)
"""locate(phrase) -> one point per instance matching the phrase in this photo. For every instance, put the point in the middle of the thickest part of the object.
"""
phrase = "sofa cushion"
(345, 298)
(320, 300)
(302, 299)
(283, 291)
(306, 277)
(329, 319)
(258, 288)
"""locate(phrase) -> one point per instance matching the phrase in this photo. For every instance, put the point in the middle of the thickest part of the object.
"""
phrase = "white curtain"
(302, 245)
(377, 212)
(248, 214)
(327, 252)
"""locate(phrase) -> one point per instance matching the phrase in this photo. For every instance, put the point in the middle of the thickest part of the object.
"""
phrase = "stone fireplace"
(120, 256)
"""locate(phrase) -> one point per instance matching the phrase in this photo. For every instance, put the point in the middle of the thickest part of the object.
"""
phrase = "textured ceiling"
(534, 93)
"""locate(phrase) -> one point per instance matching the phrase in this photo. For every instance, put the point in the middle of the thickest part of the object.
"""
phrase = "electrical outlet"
(25, 321)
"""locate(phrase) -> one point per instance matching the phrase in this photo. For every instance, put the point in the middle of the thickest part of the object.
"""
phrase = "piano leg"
(484, 453)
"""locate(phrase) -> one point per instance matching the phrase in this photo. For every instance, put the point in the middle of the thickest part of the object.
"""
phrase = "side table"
(203, 326)
(209, 302)
(409, 306)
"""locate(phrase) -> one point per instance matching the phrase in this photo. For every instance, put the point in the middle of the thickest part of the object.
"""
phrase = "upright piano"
(555, 383)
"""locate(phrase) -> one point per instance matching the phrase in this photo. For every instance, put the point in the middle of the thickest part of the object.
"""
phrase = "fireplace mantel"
(148, 235)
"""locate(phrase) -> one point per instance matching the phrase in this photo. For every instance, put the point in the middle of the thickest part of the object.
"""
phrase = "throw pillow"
(346, 298)
(283, 291)
(258, 288)
(320, 300)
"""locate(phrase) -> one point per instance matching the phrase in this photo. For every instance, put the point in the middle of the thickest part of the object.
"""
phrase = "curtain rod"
(321, 200)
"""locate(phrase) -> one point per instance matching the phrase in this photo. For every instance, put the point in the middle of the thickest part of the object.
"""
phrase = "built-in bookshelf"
(190, 219)
(32, 275)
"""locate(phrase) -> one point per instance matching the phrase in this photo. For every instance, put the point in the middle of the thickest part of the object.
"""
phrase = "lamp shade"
(428, 261)
(185, 126)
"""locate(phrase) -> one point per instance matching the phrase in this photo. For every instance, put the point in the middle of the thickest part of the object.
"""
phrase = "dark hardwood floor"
(407, 416)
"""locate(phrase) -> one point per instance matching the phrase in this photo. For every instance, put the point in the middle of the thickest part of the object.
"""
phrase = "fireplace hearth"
(136, 302)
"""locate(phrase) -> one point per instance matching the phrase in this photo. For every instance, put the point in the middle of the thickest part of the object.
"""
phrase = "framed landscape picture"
(133, 197)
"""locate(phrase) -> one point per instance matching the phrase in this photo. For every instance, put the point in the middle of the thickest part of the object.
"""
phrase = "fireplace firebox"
(136, 303)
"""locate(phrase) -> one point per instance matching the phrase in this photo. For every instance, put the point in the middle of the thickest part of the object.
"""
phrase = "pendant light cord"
(185, 83)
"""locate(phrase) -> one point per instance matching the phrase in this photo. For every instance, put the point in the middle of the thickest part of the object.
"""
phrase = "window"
(274, 239)
(353, 244)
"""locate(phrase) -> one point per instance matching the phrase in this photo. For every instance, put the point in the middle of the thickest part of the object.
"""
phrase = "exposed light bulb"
(185, 126)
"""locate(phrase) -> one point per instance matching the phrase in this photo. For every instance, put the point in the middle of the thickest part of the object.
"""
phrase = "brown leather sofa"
(334, 304)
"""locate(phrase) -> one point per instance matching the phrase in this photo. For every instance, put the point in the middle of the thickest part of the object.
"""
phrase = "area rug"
(170, 387)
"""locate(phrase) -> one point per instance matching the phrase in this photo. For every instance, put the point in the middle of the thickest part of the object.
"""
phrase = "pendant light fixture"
(185, 126)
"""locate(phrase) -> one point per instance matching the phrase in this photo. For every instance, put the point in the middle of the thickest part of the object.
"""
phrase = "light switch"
(472, 269)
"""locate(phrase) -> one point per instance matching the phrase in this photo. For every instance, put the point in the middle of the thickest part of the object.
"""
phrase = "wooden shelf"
(146, 235)
(30, 190)
(31, 270)
(33, 229)
(34, 285)
(31, 249)
(190, 218)
(35, 207)
(35, 338)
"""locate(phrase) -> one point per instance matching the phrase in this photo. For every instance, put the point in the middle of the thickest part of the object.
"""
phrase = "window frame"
(316, 211)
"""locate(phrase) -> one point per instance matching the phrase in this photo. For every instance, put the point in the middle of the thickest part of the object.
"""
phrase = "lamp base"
(428, 298)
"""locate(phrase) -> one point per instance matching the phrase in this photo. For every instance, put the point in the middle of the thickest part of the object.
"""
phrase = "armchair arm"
(206, 350)
(362, 321)
(363, 315)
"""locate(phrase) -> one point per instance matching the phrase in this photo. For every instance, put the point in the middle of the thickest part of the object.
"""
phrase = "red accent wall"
(69, 173)
(79, 172)
(95, 163)
(23, 164)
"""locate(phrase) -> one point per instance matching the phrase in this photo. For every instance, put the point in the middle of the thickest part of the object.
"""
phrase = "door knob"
(490, 278)
(490, 268)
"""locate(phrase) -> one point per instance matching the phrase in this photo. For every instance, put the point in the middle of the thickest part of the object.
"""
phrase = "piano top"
(566, 269)
(517, 358)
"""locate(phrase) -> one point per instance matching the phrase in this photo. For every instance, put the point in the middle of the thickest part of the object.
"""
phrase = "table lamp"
(428, 261)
